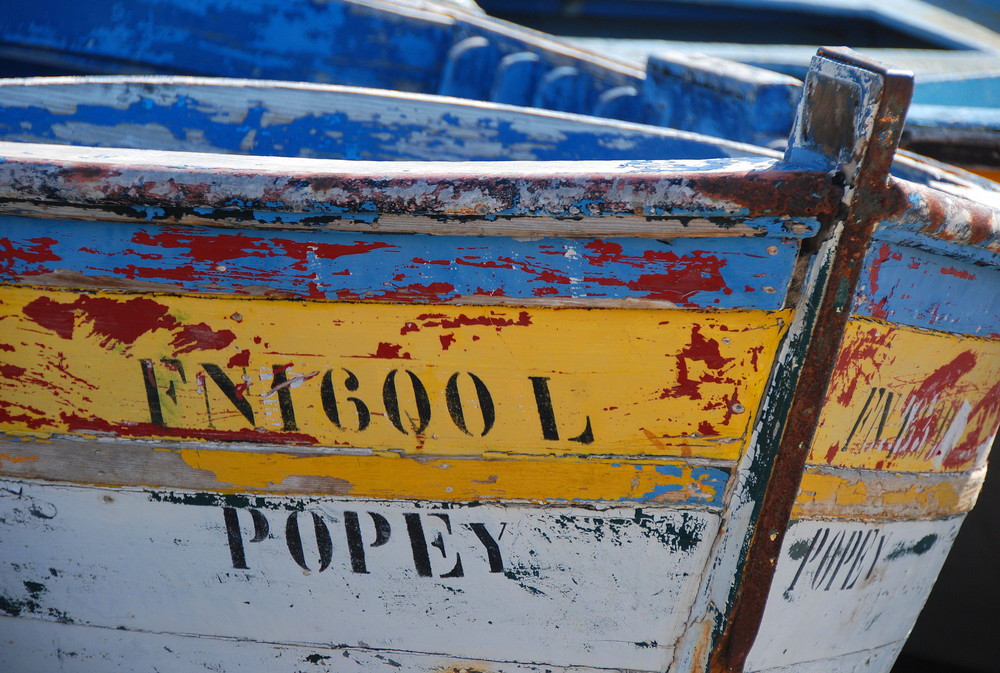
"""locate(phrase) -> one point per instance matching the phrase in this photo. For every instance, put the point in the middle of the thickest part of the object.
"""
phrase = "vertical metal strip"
(864, 163)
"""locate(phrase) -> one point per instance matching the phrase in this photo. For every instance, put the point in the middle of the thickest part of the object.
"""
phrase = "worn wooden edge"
(969, 217)
(278, 191)
(128, 648)
(824, 493)
(524, 227)
(500, 477)
(875, 494)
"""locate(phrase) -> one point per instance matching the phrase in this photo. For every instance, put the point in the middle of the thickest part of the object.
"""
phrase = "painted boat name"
(236, 394)
(421, 539)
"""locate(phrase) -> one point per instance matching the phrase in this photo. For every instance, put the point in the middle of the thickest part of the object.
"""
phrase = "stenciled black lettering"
(878, 553)
(235, 536)
(418, 544)
(329, 400)
(880, 407)
(390, 398)
(830, 554)
(229, 389)
(355, 543)
(454, 401)
(280, 384)
(324, 543)
(438, 543)
(492, 547)
(844, 556)
(854, 572)
(420, 548)
(547, 414)
(152, 393)
(809, 553)
(151, 385)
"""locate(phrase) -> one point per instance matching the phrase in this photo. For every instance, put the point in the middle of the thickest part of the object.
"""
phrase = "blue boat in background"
(405, 45)
(451, 50)
(952, 47)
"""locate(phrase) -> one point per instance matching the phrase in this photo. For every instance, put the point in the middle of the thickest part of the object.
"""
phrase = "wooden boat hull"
(633, 415)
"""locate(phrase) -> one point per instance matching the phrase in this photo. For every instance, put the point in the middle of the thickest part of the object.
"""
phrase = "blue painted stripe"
(715, 272)
(327, 124)
(920, 287)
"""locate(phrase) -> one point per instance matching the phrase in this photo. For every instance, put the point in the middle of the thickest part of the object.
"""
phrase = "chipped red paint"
(983, 420)
(38, 253)
(922, 406)
(11, 371)
(387, 351)
(428, 320)
(401, 294)
(225, 247)
(146, 430)
(241, 359)
(36, 422)
(706, 429)
(200, 337)
(699, 349)
(117, 321)
(850, 369)
(884, 254)
(122, 322)
(959, 273)
(689, 275)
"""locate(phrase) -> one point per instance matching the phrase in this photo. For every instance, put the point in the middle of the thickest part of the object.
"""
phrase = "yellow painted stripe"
(383, 476)
(874, 494)
(428, 380)
(905, 399)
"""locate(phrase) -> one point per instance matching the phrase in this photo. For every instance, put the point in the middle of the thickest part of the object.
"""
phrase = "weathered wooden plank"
(926, 288)
(830, 595)
(968, 223)
(253, 469)
(904, 399)
(568, 586)
(402, 44)
(725, 272)
(735, 197)
(324, 121)
(447, 380)
(38, 646)
(877, 494)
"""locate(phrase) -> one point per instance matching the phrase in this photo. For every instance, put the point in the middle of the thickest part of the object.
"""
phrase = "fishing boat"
(684, 413)
(952, 47)
(602, 66)
(404, 45)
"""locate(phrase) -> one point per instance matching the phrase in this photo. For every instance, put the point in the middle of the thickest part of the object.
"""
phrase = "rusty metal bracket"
(850, 120)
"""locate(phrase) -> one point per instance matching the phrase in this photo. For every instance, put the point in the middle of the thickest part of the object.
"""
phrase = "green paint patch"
(798, 550)
(316, 658)
(920, 547)
(681, 533)
(237, 501)
(14, 608)
(35, 589)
